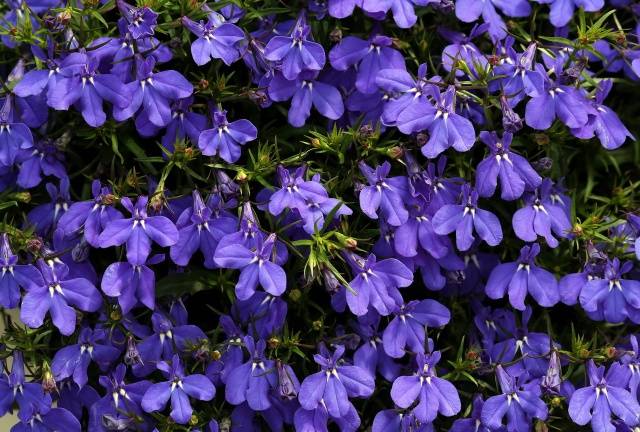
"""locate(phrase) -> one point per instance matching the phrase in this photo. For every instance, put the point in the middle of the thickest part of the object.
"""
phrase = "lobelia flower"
(342, 8)
(561, 11)
(141, 20)
(43, 159)
(138, 231)
(36, 81)
(80, 84)
(217, 39)
(474, 423)
(464, 218)
(45, 217)
(13, 136)
(73, 360)
(612, 298)
(403, 11)
(446, 127)
(407, 328)
(263, 313)
(514, 171)
(470, 10)
(178, 387)
(53, 292)
(435, 395)
(392, 420)
(185, 124)
(572, 284)
(75, 399)
(462, 49)
(253, 380)
(521, 277)
(519, 405)
(543, 215)
(256, 266)
(606, 395)
(152, 93)
(199, 228)
(332, 387)
(131, 283)
(13, 275)
(417, 234)
(370, 57)
(14, 388)
(296, 53)
(371, 355)
(557, 100)
(46, 419)
(90, 217)
(306, 91)
(518, 77)
(384, 195)
(603, 121)
(376, 284)
(225, 139)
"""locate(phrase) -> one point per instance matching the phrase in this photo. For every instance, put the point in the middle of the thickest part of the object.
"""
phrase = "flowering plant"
(386, 215)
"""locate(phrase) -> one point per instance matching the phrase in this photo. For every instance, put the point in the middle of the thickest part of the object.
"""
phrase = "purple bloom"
(73, 360)
(435, 395)
(471, 10)
(518, 77)
(44, 159)
(605, 395)
(464, 218)
(407, 328)
(152, 93)
(138, 231)
(90, 217)
(52, 292)
(562, 10)
(14, 136)
(514, 171)
(604, 122)
(403, 11)
(178, 387)
(45, 216)
(393, 420)
(371, 355)
(521, 277)
(376, 284)
(304, 92)
(296, 53)
(217, 39)
(612, 298)
(14, 275)
(14, 388)
(226, 138)
(370, 56)
(256, 266)
(474, 423)
(543, 213)
(131, 284)
(141, 21)
(41, 419)
(185, 124)
(462, 49)
(334, 384)
(341, 8)
(253, 380)
(384, 194)
(519, 405)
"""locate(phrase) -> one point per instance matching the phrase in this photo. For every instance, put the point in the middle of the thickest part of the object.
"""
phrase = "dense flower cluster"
(386, 215)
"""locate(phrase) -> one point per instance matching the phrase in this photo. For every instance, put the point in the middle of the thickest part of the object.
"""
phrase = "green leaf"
(178, 284)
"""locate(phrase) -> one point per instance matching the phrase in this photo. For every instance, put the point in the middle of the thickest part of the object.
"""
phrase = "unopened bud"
(541, 139)
(215, 355)
(241, 176)
(203, 84)
(34, 245)
(317, 325)
(335, 35)
(193, 420)
(23, 197)
(315, 142)
(421, 139)
(395, 152)
(132, 355)
(48, 381)
(273, 342)
(295, 295)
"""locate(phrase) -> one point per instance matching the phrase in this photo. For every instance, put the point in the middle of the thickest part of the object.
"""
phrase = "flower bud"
(295, 295)
(335, 35)
(395, 152)
(132, 355)
(34, 245)
(288, 384)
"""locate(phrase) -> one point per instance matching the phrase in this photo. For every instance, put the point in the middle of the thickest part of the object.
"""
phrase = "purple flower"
(371, 355)
(370, 56)
(341, 8)
(612, 298)
(45, 158)
(393, 420)
(403, 11)
(46, 419)
(14, 275)
(464, 218)
(562, 10)
(90, 217)
(217, 39)
(384, 194)
(296, 53)
(141, 21)
(131, 284)
(81, 84)
(519, 405)
(178, 387)
(256, 266)
(138, 231)
(226, 138)
(435, 395)
(152, 93)
(52, 292)
(334, 384)
(304, 92)
(462, 49)
(14, 136)
(13, 388)
(376, 284)
(605, 395)
(518, 77)
(543, 213)
(514, 171)
(521, 277)
(471, 10)
(603, 121)
(407, 328)
(45, 216)
(417, 234)
(253, 380)
(474, 423)
(185, 124)
(73, 360)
